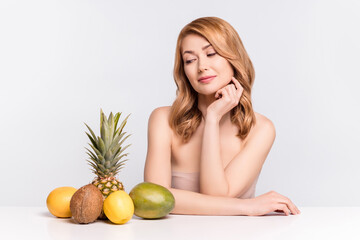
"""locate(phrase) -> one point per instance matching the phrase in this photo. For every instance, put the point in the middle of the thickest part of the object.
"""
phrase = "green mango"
(152, 201)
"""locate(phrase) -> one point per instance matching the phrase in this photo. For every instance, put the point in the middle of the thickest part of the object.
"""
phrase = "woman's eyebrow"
(203, 48)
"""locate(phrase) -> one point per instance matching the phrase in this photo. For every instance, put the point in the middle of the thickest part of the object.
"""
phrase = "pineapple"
(105, 159)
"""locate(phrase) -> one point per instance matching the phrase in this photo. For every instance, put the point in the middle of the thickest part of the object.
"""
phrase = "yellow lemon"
(119, 207)
(58, 201)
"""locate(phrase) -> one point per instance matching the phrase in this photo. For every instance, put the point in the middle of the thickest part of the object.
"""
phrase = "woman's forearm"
(212, 175)
(193, 203)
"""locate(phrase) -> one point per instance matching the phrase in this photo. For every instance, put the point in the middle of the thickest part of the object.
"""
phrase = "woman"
(208, 148)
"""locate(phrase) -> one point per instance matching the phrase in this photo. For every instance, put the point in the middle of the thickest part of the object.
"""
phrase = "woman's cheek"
(189, 75)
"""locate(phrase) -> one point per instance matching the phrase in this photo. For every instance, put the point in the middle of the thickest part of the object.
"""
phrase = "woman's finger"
(289, 204)
(229, 91)
(296, 208)
(234, 94)
(239, 88)
(283, 208)
(236, 82)
(227, 94)
(220, 93)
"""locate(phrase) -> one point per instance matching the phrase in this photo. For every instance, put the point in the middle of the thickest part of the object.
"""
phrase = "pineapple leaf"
(91, 131)
(118, 170)
(92, 164)
(116, 132)
(110, 130)
(108, 155)
(117, 167)
(92, 140)
(103, 121)
(116, 120)
(121, 150)
(115, 144)
(111, 126)
(105, 134)
(92, 158)
(95, 150)
(119, 157)
(101, 159)
(101, 146)
(117, 151)
(95, 169)
(102, 117)
(121, 135)
(123, 123)
(90, 152)
(120, 164)
(102, 168)
(122, 141)
(96, 173)
(111, 118)
(107, 164)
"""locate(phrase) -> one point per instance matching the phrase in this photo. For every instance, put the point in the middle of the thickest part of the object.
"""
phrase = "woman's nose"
(202, 65)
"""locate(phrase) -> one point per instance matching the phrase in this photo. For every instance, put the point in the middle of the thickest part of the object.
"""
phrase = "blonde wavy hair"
(185, 117)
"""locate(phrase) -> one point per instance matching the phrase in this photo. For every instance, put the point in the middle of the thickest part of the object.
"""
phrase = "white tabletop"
(313, 223)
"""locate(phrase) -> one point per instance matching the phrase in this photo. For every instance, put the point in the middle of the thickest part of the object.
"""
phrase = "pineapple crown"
(105, 159)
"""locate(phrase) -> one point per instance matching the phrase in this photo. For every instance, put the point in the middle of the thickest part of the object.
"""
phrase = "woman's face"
(201, 60)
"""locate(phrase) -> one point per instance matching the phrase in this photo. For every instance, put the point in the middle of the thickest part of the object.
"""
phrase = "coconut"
(86, 204)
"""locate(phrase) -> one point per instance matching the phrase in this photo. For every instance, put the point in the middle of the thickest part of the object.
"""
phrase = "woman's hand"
(227, 97)
(271, 202)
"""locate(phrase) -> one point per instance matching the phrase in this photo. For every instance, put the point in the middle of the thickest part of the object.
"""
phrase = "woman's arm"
(213, 180)
(192, 203)
(158, 159)
(158, 170)
(243, 169)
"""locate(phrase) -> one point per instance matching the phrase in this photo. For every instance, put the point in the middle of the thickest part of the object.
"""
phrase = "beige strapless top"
(191, 182)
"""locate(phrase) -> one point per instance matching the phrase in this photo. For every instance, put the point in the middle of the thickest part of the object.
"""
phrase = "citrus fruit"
(58, 201)
(152, 200)
(118, 207)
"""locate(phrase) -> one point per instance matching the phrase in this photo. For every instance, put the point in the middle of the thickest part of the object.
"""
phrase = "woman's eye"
(191, 60)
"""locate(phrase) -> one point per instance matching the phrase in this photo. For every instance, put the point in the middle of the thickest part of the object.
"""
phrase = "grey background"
(61, 61)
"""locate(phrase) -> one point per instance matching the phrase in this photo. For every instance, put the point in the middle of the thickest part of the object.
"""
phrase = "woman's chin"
(207, 94)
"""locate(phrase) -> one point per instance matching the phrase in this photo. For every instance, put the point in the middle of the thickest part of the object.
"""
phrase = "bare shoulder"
(264, 122)
(264, 128)
(159, 121)
(160, 114)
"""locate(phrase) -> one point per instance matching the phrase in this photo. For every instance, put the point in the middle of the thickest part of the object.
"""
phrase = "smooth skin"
(227, 165)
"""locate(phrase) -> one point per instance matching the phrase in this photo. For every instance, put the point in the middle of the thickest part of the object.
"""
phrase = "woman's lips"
(206, 80)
